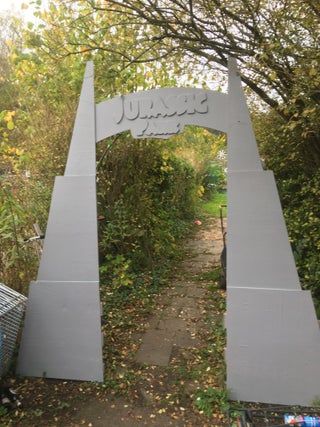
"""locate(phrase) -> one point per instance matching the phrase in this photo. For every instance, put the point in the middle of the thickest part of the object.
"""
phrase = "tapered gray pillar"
(273, 337)
(62, 332)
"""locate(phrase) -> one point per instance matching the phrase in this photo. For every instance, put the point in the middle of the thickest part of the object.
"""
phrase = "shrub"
(302, 213)
(147, 197)
(212, 399)
(214, 179)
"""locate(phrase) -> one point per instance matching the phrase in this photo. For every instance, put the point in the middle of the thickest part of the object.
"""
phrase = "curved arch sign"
(161, 113)
(273, 339)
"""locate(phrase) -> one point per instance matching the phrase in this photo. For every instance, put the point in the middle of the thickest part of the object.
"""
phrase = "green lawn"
(212, 207)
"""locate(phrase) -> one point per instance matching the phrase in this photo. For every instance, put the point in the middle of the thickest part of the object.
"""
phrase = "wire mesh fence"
(12, 306)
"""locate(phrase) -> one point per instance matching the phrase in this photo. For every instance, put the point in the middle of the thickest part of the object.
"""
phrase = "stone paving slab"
(156, 347)
(190, 314)
(176, 324)
(185, 340)
(170, 312)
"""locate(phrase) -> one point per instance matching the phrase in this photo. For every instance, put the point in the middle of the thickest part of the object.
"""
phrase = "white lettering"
(201, 105)
(131, 109)
(162, 127)
(171, 105)
(119, 109)
(145, 108)
(185, 104)
(141, 127)
(158, 108)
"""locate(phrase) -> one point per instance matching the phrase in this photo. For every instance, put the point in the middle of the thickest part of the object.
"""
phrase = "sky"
(14, 6)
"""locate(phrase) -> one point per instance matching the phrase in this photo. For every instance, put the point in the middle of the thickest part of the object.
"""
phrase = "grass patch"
(212, 275)
(212, 207)
(212, 399)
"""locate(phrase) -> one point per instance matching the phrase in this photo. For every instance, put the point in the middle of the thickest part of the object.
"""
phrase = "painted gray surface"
(167, 104)
(259, 253)
(82, 151)
(273, 337)
(242, 147)
(70, 251)
(62, 332)
(273, 346)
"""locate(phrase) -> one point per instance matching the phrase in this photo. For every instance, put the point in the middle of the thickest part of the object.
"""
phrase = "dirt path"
(165, 363)
(173, 332)
(179, 318)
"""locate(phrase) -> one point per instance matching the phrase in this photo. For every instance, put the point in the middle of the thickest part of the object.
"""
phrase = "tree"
(138, 44)
(145, 192)
(276, 44)
(269, 38)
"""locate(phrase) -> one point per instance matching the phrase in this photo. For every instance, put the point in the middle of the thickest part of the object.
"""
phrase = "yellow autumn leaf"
(200, 191)
(9, 115)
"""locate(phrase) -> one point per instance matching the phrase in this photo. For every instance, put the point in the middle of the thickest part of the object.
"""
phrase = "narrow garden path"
(173, 360)
(164, 362)
(178, 319)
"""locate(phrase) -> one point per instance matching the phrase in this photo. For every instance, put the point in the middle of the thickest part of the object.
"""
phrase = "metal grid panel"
(12, 306)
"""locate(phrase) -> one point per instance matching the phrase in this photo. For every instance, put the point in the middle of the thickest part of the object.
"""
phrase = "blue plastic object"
(302, 421)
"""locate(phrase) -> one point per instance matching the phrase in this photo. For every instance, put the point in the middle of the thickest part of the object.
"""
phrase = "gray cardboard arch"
(161, 113)
(273, 337)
